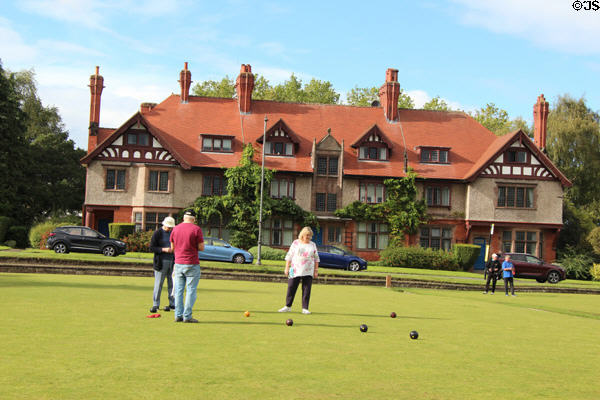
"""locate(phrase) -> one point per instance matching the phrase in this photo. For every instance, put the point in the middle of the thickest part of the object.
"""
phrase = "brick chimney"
(540, 122)
(185, 80)
(244, 85)
(96, 85)
(388, 94)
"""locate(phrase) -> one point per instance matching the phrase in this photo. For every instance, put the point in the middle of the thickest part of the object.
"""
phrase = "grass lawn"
(66, 336)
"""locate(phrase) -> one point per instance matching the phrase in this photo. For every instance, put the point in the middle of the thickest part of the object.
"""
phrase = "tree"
(437, 104)
(573, 144)
(223, 88)
(365, 96)
(493, 118)
(405, 101)
(56, 178)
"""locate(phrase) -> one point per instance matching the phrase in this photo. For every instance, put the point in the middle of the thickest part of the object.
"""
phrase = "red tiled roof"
(180, 125)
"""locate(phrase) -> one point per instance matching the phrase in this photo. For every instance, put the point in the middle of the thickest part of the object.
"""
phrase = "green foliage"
(405, 101)
(577, 265)
(138, 241)
(578, 223)
(120, 230)
(365, 96)
(437, 104)
(39, 233)
(292, 90)
(240, 207)
(11, 243)
(593, 239)
(4, 225)
(595, 272)
(418, 257)
(18, 233)
(466, 255)
(401, 209)
(268, 253)
(493, 118)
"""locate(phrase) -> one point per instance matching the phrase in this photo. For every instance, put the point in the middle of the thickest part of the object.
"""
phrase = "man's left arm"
(200, 241)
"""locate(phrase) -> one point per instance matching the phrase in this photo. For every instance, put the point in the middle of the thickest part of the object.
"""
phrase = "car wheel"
(553, 277)
(109, 251)
(353, 266)
(239, 259)
(60, 248)
(540, 280)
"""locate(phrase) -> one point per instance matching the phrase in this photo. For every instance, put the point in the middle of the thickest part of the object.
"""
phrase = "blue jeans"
(185, 276)
(159, 279)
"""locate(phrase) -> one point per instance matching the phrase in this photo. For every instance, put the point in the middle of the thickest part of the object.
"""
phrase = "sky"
(468, 52)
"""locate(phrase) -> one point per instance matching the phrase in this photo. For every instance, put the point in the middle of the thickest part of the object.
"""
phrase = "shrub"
(19, 235)
(418, 257)
(120, 230)
(594, 239)
(40, 232)
(10, 243)
(268, 253)
(577, 266)
(595, 272)
(4, 225)
(466, 255)
(138, 241)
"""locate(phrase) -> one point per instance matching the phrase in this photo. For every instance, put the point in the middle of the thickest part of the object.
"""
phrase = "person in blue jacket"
(160, 245)
(508, 272)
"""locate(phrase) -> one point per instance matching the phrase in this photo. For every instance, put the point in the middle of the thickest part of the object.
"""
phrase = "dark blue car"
(333, 257)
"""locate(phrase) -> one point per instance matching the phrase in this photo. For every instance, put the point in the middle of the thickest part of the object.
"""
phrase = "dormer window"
(373, 145)
(138, 138)
(281, 140)
(517, 156)
(435, 155)
(219, 144)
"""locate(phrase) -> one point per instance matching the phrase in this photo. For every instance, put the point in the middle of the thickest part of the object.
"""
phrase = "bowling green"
(87, 337)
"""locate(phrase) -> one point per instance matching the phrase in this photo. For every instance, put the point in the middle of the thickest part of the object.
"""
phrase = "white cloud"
(547, 23)
(12, 47)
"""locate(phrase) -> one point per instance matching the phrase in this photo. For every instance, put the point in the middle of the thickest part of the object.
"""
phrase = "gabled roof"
(502, 143)
(280, 125)
(135, 119)
(374, 129)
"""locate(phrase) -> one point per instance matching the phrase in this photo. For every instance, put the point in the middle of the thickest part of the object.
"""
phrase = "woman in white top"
(301, 265)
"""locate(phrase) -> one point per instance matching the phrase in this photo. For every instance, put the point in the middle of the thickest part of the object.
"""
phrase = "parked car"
(531, 267)
(219, 250)
(334, 257)
(83, 239)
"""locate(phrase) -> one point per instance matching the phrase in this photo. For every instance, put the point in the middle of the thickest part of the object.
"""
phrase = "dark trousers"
(512, 285)
(491, 277)
(293, 286)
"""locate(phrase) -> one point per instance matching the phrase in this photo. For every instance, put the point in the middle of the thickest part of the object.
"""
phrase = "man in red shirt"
(186, 241)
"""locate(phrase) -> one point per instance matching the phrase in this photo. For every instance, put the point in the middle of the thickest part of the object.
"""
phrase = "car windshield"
(219, 243)
(335, 250)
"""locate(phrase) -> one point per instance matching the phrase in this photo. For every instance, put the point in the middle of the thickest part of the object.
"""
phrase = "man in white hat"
(160, 245)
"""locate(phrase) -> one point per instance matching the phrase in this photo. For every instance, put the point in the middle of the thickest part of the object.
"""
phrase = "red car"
(531, 267)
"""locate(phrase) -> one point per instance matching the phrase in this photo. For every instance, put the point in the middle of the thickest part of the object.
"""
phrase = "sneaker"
(484, 292)
(492, 293)
(506, 294)
(179, 319)
(154, 309)
(167, 308)
(514, 295)
(285, 309)
(191, 321)
(305, 311)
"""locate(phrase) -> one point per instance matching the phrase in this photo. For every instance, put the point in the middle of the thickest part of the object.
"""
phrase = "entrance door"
(103, 226)
(480, 263)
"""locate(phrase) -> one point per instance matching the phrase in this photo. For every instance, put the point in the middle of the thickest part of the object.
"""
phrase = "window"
(372, 235)
(137, 219)
(218, 144)
(334, 234)
(279, 149)
(436, 237)
(326, 202)
(115, 179)
(372, 193)
(515, 196)
(507, 241)
(159, 181)
(525, 242)
(216, 228)
(516, 156)
(372, 153)
(438, 196)
(278, 232)
(431, 155)
(327, 166)
(154, 220)
(282, 187)
(213, 185)
(138, 138)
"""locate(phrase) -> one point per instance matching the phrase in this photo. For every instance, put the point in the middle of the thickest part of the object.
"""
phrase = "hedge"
(418, 257)
(118, 230)
(139, 241)
(4, 225)
(268, 253)
(19, 235)
(595, 272)
(466, 255)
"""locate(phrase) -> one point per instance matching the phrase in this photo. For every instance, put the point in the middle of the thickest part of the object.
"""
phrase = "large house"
(326, 157)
